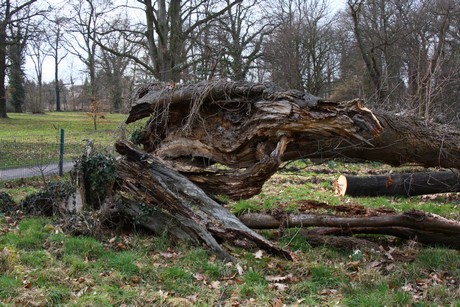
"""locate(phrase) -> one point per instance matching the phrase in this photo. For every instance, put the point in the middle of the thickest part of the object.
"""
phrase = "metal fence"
(43, 155)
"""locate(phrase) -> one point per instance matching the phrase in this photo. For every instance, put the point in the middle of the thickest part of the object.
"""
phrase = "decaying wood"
(424, 227)
(404, 140)
(408, 184)
(160, 198)
(228, 138)
(246, 127)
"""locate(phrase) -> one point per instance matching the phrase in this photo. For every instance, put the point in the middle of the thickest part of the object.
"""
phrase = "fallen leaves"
(259, 254)
(419, 289)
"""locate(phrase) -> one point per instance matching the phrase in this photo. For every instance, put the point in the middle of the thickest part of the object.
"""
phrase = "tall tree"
(38, 50)
(301, 53)
(112, 66)
(240, 34)
(16, 69)
(83, 30)
(429, 54)
(55, 40)
(9, 15)
(170, 32)
(379, 28)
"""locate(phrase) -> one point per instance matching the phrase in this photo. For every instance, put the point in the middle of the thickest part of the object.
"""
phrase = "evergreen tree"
(16, 74)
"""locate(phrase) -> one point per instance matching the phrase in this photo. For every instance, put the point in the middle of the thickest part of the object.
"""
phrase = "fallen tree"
(416, 225)
(217, 139)
(408, 184)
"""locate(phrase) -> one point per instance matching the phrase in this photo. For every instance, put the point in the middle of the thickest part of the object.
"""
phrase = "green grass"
(40, 264)
(29, 235)
(81, 271)
(83, 247)
(26, 124)
(33, 140)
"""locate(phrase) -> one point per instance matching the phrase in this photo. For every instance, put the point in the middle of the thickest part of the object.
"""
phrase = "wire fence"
(28, 156)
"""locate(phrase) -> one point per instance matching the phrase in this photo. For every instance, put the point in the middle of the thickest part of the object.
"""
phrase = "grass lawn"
(33, 139)
(27, 124)
(42, 265)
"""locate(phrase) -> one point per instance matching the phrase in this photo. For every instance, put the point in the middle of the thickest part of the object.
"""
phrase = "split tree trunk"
(223, 138)
(399, 184)
(196, 129)
(160, 199)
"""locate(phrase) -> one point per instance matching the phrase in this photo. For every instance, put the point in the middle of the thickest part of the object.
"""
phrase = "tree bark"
(228, 138)
(424, 227)
(246, 127)
(160, 198)
(410, 184)
(403, 140)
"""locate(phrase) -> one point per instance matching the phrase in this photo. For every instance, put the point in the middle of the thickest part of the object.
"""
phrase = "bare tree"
(429, 55)
(38, 50)
(172, 28)
(240, 34)
(55, 39)
(379, 28)
(83, 31)
(301, 53)
(113, 67)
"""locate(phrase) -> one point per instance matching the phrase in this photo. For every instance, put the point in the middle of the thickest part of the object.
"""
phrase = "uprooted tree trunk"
(228, 138)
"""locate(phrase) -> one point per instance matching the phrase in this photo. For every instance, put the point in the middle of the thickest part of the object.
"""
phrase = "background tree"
(10, 17)
(431, 56)
(171, 29)
(240, 34)
(301, 54)
(378, 30)
(83, 31)
(38, 50)
(16, 53)
(113, 67)
(55, 40)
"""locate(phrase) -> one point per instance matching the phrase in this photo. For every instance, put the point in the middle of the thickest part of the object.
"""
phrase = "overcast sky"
(72, 67)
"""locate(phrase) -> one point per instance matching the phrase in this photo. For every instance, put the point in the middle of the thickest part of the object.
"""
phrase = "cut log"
(409, 184)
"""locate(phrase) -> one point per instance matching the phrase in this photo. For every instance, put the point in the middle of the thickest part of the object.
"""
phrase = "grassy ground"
(41, 264)
(33, 139)
(26, 124)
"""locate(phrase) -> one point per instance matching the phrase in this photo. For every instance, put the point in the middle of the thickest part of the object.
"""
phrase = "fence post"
(61, 154)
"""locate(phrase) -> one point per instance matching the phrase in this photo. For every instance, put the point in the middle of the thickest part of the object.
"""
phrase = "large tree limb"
(151, 191)
(424, 227)
(403, 140)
